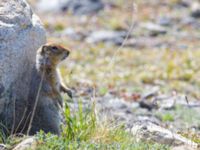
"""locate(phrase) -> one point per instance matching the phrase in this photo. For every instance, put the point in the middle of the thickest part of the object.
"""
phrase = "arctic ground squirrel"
(45, 101)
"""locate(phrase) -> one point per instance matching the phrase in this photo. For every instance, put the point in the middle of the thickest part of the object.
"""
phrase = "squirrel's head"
(51, 54)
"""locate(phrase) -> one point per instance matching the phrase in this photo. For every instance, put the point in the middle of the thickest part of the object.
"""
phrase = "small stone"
(184, 3)
(164, 21)
(29, 143)
(149, 132)
(77, 7)
(154, 29)
(184, 147)
(188, 21)
(49, 5)
(71, 33)
(3, 147)
(195, 10)
(167, 104)
(115, 37)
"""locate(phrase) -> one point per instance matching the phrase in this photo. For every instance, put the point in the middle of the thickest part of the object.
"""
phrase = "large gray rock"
(21, 34)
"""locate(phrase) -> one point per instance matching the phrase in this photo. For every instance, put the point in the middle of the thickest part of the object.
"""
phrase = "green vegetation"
(58, 27)
(182, 115)
(167, 117)
(83, 132)
(194, 137)
(187, 115)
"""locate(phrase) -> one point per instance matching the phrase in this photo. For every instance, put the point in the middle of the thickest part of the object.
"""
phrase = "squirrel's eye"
(54, 48)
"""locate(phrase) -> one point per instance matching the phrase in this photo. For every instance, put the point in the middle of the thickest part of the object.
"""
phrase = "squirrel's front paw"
(66, 90)
(69, 93)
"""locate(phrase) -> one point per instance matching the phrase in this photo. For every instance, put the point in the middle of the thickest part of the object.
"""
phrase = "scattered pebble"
(77, 7)
(147, 131)
(29, 143)
(115, 37)
(3, 147)
(154, 29)
(164, 21)
(71, 33)
(195, 10)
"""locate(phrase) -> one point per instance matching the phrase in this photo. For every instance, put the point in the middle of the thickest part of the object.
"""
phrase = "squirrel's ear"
(43, 48)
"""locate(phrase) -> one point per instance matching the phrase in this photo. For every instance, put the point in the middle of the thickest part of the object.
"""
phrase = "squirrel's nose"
(68, 52)
(65, 55)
